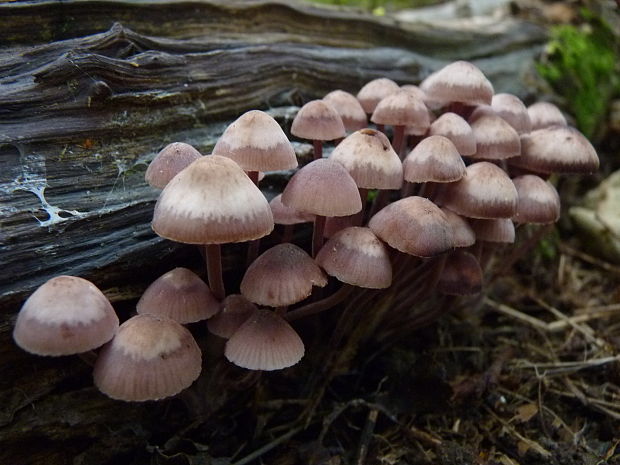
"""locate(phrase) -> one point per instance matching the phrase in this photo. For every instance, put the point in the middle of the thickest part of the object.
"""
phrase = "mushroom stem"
(287, 233)
(523, 248)
(398, 139)
(320, 305)
(317, 235)
(253, 175)
(318, 149)
(214, 270)
(282, 310)
(358, 218)
(89, 357)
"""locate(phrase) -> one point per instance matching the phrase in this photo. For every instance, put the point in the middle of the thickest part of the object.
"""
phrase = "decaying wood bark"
(89, 93)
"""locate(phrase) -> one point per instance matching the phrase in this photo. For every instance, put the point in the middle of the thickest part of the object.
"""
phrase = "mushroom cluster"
(423, 213)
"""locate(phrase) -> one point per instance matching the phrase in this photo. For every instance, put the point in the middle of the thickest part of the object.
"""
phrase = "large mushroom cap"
(485, 191)
(212, 201)
(460, 81)
(323, 187)
(257, 143)
(148, 359)
(355, 256)
(370, 159)
(264, 342)
(169, 162)
(413, 225)
(66, 315)
(318, 120)
(283, 275)
(434, 159)
(180, 295)
(556, 149)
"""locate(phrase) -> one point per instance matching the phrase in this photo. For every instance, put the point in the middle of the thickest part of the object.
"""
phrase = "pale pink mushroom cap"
(462, 234)
(544, 115)
(287, 215)
(513, 111)
(66, 315)
(264, 342)
(257, 143)
(434, 159)
(460, 81)
(356, 256)
(485, 191)
(148, 359)
(415, 226)
(370, 159)
(402, 108)
(180, 295)
(349, 108)
(235, 310)
(318, 120)
(283, 275)
(374, 91)
(323, 187)
(169, 162)
(495, 138)
(539, 201)
(212, 201)
(456, 129)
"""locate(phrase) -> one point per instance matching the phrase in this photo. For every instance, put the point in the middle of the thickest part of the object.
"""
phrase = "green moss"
(581, 65)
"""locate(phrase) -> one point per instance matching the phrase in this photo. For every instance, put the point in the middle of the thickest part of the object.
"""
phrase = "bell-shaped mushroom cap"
(485, 191)
(349, 108)
(413, 225)
(545, 114)
(375, 91)
(355, 256)
(323, 187)
(318, 120)
(287, 215)
(283, 275)
(495, 138)
(460, 81)
(434, 159)
(179, 295)
(539, 202)
(235, 310)
(556, 149)
(415, 91)
(66, 315)
(462, 234)
(212, 201)
(370, 159)
(149, 358)
(257, 143)
(513, 111)
(500, 230)
(401, 109)
(461, 275)
(456, 129)
(169, 162)
(264, 342)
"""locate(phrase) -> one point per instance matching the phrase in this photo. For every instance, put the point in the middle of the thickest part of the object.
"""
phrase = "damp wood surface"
(91, 91)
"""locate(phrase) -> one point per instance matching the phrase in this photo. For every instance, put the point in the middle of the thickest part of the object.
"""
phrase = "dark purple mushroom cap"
(349, 108)
(257, 143)
(539, 202)
(461, 275)
(370, 159)
(212, 201)
(180, 295)
(318, 120)
(323, 187)
(283, 275)
(150, 358)
(169, 162)
(264, 342)
(235, 310)
(66, 315)
(356, 256)
(485, 191)
(375, 91)
(415, 226)
(434, 159)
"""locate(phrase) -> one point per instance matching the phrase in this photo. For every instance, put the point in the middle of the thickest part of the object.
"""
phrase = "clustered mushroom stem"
(214, 270)
(426, 285)
(318, 149)
(358, 218)
(317, 235)
(398, 139)
(253, 248)
(287, 232)
(89, 357)
(320, 305)
(525, 247)
(253, 175)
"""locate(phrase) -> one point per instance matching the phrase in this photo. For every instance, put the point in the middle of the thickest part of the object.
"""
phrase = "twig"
(366, 436)
(269, 446)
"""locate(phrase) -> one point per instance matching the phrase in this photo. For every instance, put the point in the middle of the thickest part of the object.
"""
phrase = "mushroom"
(169, 162)
(317, 120)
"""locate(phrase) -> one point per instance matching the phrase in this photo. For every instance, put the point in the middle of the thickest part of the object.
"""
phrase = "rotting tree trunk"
(90, 91)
